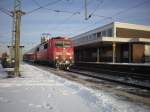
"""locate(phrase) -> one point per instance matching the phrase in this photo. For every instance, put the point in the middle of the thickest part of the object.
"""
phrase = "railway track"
(136, 71)
(101, 76)
(119, 90)
(111, 78)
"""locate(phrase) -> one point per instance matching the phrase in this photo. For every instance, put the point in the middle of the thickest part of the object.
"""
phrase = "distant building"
(3, 49)
(12, 52)
(114, 42)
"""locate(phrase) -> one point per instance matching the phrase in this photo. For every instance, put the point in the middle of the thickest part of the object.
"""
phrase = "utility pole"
(17, 13)
(85, 6)
(13, 32)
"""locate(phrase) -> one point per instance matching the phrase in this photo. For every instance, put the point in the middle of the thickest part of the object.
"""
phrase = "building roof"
(132, 26)
(117, 25)
(117, 40)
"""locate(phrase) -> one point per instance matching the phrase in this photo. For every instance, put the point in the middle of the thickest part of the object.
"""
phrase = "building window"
(85, 38)
(98, 34)
(90, 38)
(103, 33)
(94, 36)
(109, 32)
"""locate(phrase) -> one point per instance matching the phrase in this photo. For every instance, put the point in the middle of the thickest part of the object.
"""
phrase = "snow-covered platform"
(42, 91)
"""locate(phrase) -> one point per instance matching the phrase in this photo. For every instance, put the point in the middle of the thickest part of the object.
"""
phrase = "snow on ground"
(42, 91)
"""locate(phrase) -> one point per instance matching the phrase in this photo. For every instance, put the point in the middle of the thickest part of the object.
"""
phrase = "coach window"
(45, 46)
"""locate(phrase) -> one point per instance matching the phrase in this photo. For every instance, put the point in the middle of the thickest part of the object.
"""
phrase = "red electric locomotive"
(57, 51)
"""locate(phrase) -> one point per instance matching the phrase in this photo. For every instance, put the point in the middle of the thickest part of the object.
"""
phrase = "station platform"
(138, 69)
(110, 63)
(3, 73)
(41, 90)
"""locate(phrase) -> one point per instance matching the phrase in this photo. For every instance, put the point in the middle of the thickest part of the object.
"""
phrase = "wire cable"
(7, 12)
(55, 10)
(118, 13)
(128, 9)
(98, 5)
(40, 7)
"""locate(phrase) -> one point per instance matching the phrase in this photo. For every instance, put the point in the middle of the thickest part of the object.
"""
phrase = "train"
(56, 51)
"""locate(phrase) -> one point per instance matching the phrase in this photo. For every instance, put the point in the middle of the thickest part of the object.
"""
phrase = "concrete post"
(17, 42)
(114, 52)
(130, 52)
(98, 55)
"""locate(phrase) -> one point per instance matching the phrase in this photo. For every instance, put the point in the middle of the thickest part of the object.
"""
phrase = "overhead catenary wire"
(94, 11)
(7, 12)
(46, 5)
(66, 19)
(55, 10)
(130, 8)
(73, 14)
(98, 5)
(63, 11)
(118, 13)
(59, 11)
(108, 17)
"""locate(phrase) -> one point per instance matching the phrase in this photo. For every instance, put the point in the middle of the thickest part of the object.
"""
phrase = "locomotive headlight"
(70, 57)
(7, 59)
(67, 62)
(56, 57)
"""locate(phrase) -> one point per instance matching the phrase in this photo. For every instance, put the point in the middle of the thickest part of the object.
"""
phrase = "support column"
(79, 55)
(114, 52)
(98, 55)
(114, 30)
(130, 52)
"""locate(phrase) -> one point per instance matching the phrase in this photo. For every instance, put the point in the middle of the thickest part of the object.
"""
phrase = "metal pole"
(13, 31)
(85, 5)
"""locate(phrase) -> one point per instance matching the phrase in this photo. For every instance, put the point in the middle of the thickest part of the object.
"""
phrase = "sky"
(67, 18)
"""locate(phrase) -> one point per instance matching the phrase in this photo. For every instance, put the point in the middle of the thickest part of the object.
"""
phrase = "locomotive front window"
(59, 44)
(67, 44)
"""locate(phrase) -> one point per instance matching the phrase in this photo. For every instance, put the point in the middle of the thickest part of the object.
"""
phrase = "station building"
(115, 42)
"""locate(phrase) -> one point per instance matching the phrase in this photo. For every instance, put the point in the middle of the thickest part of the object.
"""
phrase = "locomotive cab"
(63, 53)
(56, 51)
